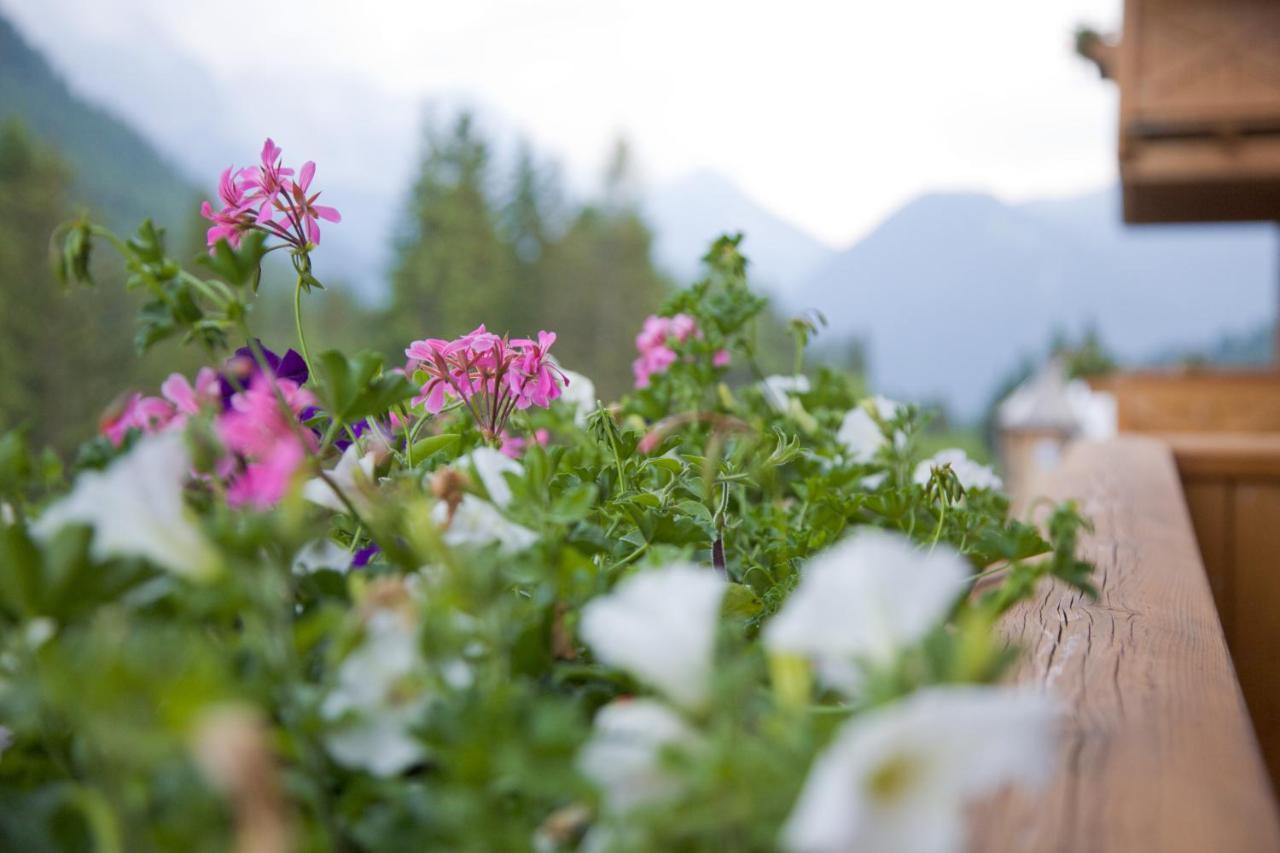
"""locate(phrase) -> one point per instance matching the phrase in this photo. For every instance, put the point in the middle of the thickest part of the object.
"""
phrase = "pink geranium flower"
(534, 383)
(266, 198)
(654, 345)
(304, 207)
(491, 375)
(268, 181)
(514, 445)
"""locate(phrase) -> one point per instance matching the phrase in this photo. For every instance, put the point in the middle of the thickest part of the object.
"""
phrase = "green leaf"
(741, 601)
(424, 447)
(354, 388)
(574, 504)
(238, 267)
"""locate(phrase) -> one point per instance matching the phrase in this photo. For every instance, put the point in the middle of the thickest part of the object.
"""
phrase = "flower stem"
(937, 533)
(297, 320)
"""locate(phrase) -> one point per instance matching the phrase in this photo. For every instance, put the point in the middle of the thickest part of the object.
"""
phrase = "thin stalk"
(297, 320)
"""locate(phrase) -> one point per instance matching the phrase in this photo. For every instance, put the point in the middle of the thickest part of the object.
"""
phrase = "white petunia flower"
(861, 434)
(477, 522)
(492, 467)
(777, 389)
(136, 509)
(864, 599)
(897, 779)
(624, 757)
(378, 698)
(354, 477)
(321, 554)
(579, 392)
(970, 474)
(660, 626)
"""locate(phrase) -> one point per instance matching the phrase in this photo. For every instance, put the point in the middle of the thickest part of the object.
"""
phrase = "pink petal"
(308, 172)
(329, 213)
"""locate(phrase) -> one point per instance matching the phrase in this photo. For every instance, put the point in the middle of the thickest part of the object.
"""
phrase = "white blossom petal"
(321, 554)
(860, 433)
(353, 475)
(579, 392)
(136, 509)
(660, 625)
(898, 778)
(865, 598)
(777, 389)
(624, 757)
(378, 699)
(476, 522)
(492, 467)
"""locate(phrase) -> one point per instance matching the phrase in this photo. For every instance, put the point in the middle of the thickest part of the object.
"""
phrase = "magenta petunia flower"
(187, 399)
(146, 414)
(266, 441)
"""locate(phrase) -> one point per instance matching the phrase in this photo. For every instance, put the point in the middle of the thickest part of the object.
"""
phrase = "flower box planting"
(322, 601)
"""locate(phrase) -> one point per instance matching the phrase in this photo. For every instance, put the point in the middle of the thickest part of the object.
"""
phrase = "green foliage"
(355, 388)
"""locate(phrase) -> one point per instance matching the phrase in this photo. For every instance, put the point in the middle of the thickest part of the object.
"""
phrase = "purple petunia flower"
(243, 367)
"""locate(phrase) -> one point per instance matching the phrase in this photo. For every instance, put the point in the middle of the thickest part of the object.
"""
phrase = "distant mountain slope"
(952, 289)
(117, 172)
(688, 214)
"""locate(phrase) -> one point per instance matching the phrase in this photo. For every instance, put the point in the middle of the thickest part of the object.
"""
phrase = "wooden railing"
(1158, 751)
(1232, 485)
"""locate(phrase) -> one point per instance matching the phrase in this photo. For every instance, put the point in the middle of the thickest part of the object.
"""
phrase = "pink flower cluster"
(654, 345)
(265, 446)
(179, 400)
(492, 375)
(266, 440)
(267, 198)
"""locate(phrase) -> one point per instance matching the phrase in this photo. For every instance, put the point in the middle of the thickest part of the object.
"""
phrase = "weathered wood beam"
(1158, 752)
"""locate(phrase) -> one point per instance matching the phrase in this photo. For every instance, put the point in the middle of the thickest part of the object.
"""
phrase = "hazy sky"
(829, 113)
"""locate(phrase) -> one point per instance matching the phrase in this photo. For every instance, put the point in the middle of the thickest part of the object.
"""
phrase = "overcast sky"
(828, 113)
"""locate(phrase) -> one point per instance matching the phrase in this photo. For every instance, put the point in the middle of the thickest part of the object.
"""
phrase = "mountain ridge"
(999, 280)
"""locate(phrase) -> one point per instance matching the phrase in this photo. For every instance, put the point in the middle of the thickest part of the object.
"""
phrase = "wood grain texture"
(1219, 455)
(1210, 503)
(1158, 753)
(1256, 607)
(1195, 401)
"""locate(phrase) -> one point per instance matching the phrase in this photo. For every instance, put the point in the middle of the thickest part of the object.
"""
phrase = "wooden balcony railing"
(1159, 753)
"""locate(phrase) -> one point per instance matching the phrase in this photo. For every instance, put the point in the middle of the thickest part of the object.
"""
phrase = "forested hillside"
(113, 169)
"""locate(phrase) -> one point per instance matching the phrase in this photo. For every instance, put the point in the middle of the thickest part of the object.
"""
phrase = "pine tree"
(453, 269)
(605, 282)
(63, 355)
(529, 220)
